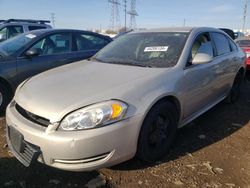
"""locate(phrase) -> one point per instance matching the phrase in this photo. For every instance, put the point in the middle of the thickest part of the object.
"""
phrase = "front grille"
(29, 154)
(32, 117)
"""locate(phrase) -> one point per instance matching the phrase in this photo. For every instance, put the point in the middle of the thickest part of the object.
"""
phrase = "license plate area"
(25, 152)
(16, 140)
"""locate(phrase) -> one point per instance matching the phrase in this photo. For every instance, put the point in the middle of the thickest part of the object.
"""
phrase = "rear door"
(54, 50)
(224, 59)
(88, 44)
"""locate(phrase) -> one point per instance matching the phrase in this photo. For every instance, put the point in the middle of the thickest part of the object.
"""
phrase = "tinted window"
(232, 45)
(144, 49)
(56, 43)
(90, 42)
(221, 43)
(36, 27)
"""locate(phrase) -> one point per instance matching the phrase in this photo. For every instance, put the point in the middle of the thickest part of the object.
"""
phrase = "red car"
(244, 43)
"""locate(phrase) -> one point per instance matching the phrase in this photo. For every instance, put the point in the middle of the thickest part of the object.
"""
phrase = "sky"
(95, 14)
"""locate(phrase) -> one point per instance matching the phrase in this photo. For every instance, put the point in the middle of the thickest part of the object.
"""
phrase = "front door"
(54, 50)
(199, 78)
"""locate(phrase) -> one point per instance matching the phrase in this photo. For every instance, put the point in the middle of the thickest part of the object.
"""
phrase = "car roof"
(51, 30)
(177, 29)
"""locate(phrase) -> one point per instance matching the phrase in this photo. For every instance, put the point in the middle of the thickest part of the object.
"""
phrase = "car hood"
(59, 91)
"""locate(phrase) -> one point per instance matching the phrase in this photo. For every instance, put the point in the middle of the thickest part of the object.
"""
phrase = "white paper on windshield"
(156, 49)
(31, 36)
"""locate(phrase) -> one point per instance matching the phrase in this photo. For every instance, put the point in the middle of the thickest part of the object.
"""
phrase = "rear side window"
(36, 27)
(221, 43)
(89, 42)
(232, 45)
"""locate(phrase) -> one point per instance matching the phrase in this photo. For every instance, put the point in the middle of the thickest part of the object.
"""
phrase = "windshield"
(14, 44)
(243, 43)
(144, 49)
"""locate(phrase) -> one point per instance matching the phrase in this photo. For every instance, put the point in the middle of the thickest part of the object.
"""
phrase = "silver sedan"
(129, 100)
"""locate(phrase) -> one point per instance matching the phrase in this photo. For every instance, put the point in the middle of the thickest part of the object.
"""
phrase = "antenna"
(114, 16)
(132, 14)
(244, 16)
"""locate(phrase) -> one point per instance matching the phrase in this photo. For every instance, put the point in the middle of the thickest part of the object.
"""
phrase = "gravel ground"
(212, 151)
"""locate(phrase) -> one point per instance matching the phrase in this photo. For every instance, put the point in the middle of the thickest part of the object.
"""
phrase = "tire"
(234, 93)
(5, 97)
(157, 132)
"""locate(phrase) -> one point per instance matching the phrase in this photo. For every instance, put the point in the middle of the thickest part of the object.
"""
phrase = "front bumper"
(76, 150)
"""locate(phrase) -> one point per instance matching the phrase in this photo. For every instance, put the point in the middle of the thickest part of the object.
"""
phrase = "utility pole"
(125, 14)
(184, 22)
(114, 16)
(132, 13)
(52, 17)
(244, 16)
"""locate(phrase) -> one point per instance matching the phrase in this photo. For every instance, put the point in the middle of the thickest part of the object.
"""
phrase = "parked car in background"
(244, 43)
(229, 32)
(122, 33)
(12, 27)
(31, 53)
(238, 34)
(130, 99)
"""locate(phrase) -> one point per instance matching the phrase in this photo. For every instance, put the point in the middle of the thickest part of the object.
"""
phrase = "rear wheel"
(235, 90)
(157, 132)
(5, 97)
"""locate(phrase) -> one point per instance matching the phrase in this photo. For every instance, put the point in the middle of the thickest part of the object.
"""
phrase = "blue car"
(31, 53)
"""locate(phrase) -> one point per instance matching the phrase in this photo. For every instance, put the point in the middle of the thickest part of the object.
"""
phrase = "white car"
(130, 99)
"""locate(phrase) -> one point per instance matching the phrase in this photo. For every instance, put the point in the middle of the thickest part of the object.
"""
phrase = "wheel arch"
(172, 99)
(7, 84)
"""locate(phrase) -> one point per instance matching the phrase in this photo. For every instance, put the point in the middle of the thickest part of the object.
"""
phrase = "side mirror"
(201, 58)
(31, 53)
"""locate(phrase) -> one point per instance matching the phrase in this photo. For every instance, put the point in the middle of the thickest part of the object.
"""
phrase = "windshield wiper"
(121, 62)
(134, 64)
(126, 62)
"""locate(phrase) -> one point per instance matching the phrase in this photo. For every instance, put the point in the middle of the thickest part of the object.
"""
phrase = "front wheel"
(157, 132)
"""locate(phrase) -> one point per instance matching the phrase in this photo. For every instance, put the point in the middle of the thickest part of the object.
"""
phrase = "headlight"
(94, 115)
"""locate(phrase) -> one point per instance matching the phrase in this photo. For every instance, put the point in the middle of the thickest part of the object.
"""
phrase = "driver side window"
(56, 43)
(202, 44)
